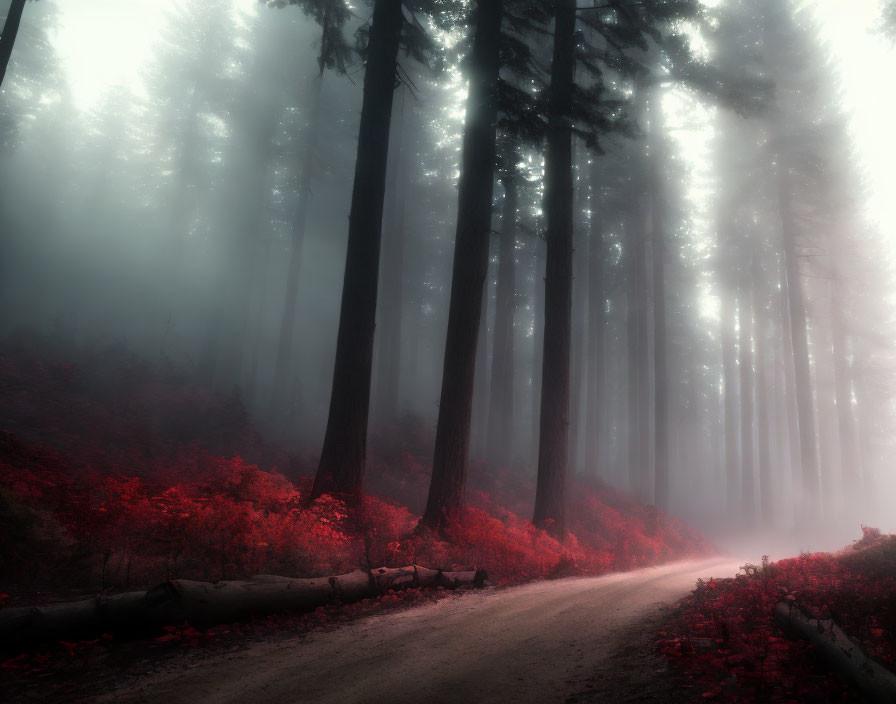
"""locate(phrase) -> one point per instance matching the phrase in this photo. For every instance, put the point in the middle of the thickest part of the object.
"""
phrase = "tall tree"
(659, 224)
(471, 249)
(286, 334)
(500, 419)
(763, 387)
(391, 308)
(344, 453)
(594, 399)
(553, 436)
(747, 389)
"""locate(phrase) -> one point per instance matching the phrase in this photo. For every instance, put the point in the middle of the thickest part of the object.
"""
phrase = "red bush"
(725, 642)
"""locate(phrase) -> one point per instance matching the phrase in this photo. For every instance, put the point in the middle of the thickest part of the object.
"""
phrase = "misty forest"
(447, 350)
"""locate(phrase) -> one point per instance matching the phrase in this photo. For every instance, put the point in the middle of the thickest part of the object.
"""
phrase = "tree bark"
(205, 604)
(283, 382)
(344, 453)
(8, 38)
(500, 418)
(471, 248)
(553, 446)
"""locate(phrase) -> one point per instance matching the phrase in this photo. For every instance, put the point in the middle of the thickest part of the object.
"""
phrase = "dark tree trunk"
(799, 335)
(479, 418)
(578, 374)
(391, 309)
(638, 382)
(553, 445)
(748, 469)
(660, 351)
(471, 248)
(763, 395)
(343, 457)
(537, 340)
(8, 38)
(283, 369)
(500, 419)
(595, 436)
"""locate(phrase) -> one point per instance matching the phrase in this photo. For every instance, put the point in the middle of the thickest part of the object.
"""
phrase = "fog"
(176, 178)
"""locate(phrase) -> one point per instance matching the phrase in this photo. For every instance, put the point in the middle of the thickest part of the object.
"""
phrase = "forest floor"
(566, 640)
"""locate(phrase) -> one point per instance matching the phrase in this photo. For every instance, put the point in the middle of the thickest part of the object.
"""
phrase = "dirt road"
(570, 640)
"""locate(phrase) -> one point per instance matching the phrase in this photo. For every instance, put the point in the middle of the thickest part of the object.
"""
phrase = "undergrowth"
(725, 643)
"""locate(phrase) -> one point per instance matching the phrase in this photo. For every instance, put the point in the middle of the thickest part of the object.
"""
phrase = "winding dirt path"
(570, 640)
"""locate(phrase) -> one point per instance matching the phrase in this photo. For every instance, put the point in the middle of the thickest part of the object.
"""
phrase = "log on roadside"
(207, 603)
(874, 680)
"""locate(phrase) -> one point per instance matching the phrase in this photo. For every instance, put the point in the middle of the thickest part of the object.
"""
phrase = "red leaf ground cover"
(112, 477)
(725, 643)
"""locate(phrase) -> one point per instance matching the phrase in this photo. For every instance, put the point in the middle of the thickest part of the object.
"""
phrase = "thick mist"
(732, 317)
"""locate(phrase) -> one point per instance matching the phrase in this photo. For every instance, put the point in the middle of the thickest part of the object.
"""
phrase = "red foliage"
(725, 641)
(134, 490)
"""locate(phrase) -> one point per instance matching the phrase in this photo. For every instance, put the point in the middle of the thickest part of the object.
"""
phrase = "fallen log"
(842, 653)
(207, 603)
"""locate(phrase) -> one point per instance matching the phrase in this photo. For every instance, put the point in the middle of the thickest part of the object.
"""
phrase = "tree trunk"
(283, 368)
(479, 417)
(660, 351)
(789, 387)
(661, 384)
(500, 419)
(8, 38)
(205, 604)
(748, 468)
(595, 436)
(799, 334)
(344, 453)
(637, 378)
(729, 371)
(553, 445)
(763, 404)
(843, 385)
(471, 248)
(537, 340)
(578, 374)
(391, 309)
